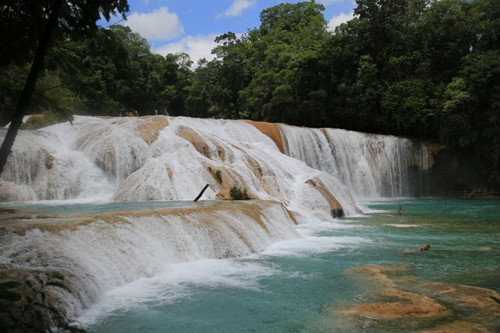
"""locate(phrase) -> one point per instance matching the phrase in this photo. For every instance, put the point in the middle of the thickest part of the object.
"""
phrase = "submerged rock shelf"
(396, 300)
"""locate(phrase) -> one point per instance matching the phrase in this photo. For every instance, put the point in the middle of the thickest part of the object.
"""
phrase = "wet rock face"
(33, 301)
(401, 301)
(336, 209)
(337, 212)
(397, 304)
(150, 130)
(272, 131)
(466, 300)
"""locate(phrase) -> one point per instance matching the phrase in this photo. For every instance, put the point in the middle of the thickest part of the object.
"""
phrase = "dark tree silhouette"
(72, 17)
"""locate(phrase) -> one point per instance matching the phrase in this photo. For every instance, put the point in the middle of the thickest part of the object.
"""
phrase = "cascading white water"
(44, 165)
(371, 166)
(160, 158)
(98, 253)
(172, 158)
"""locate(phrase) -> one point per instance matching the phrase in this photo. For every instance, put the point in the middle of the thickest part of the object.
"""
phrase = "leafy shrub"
(218, 174)
(238, 194)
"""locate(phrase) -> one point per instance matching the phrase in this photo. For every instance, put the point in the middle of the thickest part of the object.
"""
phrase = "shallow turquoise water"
(286, 288)
(62, 207)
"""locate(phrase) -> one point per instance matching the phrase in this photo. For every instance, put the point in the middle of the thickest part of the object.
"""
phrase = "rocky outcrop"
(400, 300)
(480, 303)
(34, 300)
(150, 129)
(208, 148)
(458, 326)
(336, 209)
(433, 149)
(224, 179)
(10, 191)
(397, 304)
(377, 276)
(272, 131)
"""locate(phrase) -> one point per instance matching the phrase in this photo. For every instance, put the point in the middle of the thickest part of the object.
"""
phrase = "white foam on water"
(113, 251)
(178, 282)
(314, 245)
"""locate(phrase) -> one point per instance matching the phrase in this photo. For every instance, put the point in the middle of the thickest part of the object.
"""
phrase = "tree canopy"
(422, 68)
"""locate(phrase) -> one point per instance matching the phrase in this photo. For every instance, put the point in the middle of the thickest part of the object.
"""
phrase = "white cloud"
(237, 7)
(157, 25)
(339, 19)
(197, 47)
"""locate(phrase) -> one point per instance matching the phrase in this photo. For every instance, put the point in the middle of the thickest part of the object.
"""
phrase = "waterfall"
(296, 175)
(44, 165)
(163, 158)
(93, 254)
(370, 165)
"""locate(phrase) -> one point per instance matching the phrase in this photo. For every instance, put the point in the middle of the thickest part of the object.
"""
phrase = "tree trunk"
(201, 193)
(27, 93)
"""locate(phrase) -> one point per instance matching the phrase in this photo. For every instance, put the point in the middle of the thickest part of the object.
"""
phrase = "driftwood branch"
(201, 193)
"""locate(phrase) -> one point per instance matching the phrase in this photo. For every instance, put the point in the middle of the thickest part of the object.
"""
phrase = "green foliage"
(422, 68)
(238, 193)
(12, 79)
(216, 84)
(407, 102)
(282, 60)
(456, 96)
(218, 174)
(25, 20)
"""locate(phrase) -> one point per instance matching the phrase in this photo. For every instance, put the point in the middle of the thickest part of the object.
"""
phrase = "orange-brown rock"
(398, 304)
(335, 206)
(292, 217)
(375, 274)
(49, 159)
(271, 130)
(170, 173)
(150, 129)
(271, 185)
(466, 298)
(195, 139)
(229, 179)
(254, 166)
(225, 184)
(200, 144)
(441, 307)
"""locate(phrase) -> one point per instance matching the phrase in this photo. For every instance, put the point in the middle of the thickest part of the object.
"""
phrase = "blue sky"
(190, 26)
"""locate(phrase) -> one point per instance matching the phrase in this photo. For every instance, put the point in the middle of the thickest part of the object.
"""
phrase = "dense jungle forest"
(416, 68)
